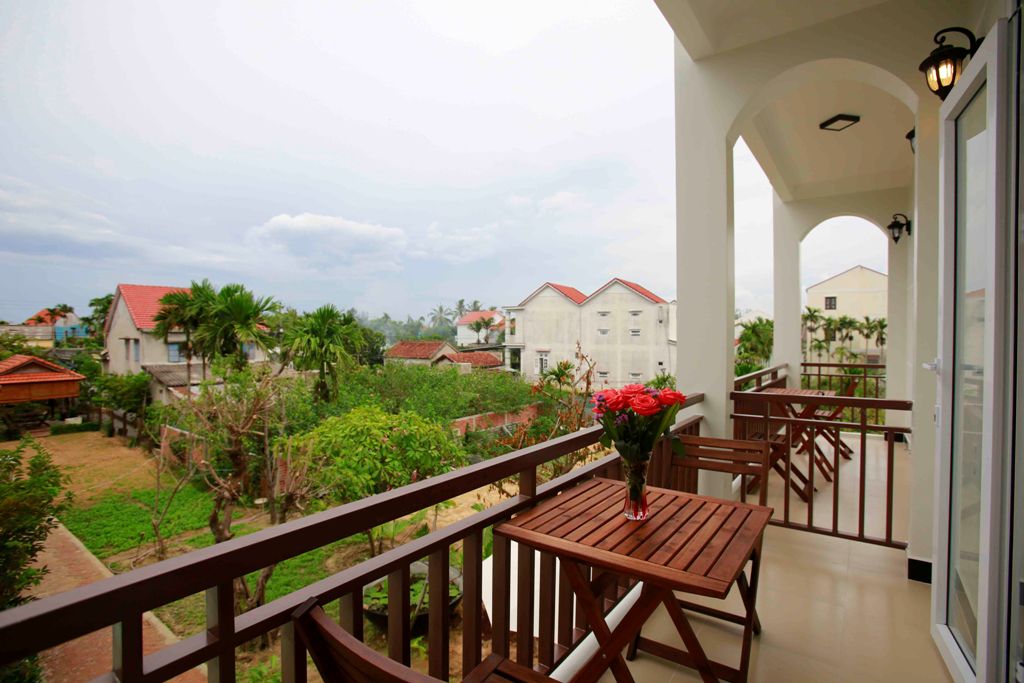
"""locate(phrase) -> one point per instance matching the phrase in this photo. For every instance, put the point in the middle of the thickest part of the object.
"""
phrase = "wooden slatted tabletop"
(794, 391)
(688, 542)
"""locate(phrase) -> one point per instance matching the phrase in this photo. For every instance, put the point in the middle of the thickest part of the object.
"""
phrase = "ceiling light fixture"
(897, 226)
(839, 122)
(942, 68)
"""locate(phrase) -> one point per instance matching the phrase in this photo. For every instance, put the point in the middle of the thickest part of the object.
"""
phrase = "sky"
(388, 156)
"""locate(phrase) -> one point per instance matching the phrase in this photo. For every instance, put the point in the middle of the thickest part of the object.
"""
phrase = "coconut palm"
(440, 316)
(481, 325)
(461, 308)
(845, 329)
(560, 375)
(476, 305)
(830, 327)
(756, 340)
(235, 318)
(818, 346)
(866, 327)
(321, 341)
(178, 313)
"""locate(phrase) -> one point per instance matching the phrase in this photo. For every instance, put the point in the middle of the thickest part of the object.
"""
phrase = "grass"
(117, 522)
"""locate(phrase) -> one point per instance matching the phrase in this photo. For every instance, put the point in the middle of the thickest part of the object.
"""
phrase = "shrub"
(70, 428)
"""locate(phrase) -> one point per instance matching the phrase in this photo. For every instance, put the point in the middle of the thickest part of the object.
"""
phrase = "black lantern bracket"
(899, 223)
(942, 68)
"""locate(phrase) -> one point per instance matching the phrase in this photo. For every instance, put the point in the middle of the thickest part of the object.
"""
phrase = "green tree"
(481, 326)
(818, 346)
(369, 451)
(561, 374)
(179, 313)
(812, 319)
(32, 494)
(235, 318)
(96, 321)
(756, 341)
(440, 316)
(866, 327)
(846, 327)
(461, 308)
(881, 328)
(321, 341)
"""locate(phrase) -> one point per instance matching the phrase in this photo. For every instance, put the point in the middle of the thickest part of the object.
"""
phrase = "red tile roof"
(44, 315)
(46, 372)
(573, 294)
(473, 316)
(642, 291)
(413, 349)
(143, 302)
(478, 359)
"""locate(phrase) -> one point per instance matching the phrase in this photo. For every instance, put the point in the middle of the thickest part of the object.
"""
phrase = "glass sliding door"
(972, 560)
(968, 404)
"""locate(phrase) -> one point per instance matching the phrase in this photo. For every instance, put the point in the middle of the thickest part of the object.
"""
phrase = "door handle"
(935, 366)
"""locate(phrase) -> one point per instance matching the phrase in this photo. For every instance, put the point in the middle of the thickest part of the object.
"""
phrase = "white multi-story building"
(628, 330)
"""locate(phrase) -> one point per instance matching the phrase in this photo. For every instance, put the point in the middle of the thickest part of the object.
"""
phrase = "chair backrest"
(849, 390)
(743, 458)
(340, 657)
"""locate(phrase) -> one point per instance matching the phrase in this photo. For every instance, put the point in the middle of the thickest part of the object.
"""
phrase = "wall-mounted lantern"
(897, 226)
(942, 68)
(910, 139)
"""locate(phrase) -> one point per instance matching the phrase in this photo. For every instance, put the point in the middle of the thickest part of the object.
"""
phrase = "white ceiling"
(804, 162)
(707, 27)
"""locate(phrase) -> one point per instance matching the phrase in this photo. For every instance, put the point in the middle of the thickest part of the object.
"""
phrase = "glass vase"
(635, 473)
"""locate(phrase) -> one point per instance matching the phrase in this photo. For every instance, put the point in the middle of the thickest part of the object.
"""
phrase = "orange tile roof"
(478, 359)
(575, 295)
(473, 316)
(143, 302)
(42, 319)
(414, 349)
(51, 372)
(642, 291)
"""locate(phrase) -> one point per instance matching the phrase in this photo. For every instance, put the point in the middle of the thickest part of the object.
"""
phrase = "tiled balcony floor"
(831, 611)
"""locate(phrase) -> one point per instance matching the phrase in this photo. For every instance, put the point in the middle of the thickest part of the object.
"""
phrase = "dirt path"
(90, 656)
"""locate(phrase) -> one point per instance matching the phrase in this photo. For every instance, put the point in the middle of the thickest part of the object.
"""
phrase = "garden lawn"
(117, 521)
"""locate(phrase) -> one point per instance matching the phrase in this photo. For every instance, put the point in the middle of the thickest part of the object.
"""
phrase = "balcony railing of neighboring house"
(120, 601)
(816, 441)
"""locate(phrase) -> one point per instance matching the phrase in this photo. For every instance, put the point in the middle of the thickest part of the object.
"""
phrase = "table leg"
(699, 659)
(753, 624)
(611, 644)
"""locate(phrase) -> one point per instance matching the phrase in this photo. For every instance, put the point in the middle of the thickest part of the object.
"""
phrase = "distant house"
(465, 335)
(418, 352)
(41, 330)
(26, 379)
(627, 329)
(475, 360)
(131, 344)
(856, 292)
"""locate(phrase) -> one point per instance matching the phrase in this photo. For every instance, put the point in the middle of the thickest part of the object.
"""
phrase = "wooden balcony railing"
(120, 601)
(759, 379)
(814, 444)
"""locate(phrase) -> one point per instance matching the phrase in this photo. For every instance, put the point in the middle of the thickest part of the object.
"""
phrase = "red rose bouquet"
(633, 418)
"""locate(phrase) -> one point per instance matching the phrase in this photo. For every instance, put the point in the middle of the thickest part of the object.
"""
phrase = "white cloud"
(562, 202)
(459, 246)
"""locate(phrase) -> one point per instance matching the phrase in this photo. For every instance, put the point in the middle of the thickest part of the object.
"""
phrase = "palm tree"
(866, 327)
(236, 319)
(880, 337)
(96, 321)
(560, 375)
(59, 312)
(179, 313)
(830, 327)
(203, 299)
(812, 319)
(476, 305)
(481, 325)
(440, 316)
(817, 346)
(321, 341)
(460, 307)
(845, 327)
(756, 339)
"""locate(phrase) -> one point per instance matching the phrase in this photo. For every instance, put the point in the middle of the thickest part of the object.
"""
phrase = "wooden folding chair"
(772, 432)
(341, 658)
(831, 435)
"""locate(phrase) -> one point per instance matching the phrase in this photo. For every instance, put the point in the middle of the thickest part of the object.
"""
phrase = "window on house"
(603, 331)
(636, 375)
(135, 350)
(830, 303)
(174, 354)
(249, 349)
(512, 327)
(542, 361)
(604, 314)
(127, 350)
(635, 314)
(602, 374)
(634, 332)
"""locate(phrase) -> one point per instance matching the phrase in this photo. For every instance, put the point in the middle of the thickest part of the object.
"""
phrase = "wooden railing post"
(220, 623)
(502, 566)
(472, 600)
(350, 613)
(127, 649)
(437, 628)
(293, 656)
(398, 615)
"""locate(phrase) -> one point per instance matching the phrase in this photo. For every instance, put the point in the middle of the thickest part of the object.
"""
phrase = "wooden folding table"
(689, 543)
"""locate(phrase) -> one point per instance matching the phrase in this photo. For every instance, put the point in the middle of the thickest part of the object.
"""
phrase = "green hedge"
(67, 428)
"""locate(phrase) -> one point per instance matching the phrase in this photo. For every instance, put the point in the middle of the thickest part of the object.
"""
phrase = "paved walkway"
(90, 656)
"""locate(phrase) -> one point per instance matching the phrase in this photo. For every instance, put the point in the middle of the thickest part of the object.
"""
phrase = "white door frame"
(987, 67)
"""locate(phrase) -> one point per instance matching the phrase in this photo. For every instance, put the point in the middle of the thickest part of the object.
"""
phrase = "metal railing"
(120, 601)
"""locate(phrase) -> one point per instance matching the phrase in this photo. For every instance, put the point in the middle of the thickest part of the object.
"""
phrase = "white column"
(897, 316)
(924, 320)
(704, 248)
(786, 236)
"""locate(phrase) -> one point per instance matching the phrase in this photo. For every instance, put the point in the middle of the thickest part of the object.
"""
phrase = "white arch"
(821, 71)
